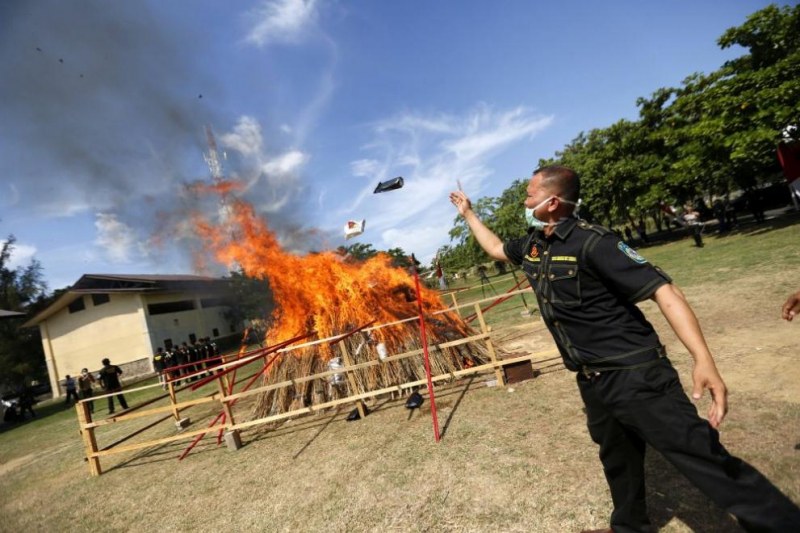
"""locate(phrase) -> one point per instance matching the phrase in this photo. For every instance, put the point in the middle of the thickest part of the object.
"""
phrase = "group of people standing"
(108, 377)
(185, 360)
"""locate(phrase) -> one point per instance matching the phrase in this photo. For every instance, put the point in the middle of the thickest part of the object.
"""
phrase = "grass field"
(511, 459)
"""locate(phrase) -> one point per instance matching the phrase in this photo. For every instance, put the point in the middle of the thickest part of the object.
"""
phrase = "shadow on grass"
(455, 406)
(670, 495)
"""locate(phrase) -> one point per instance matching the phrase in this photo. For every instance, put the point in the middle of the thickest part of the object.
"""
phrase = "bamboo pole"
(351, 380)
(89, 440)
(455, 303)
(173, 400)
(498, 372)
(226, 406)
(408, 385)
(93, 454)
(358, 366)
(167, 408)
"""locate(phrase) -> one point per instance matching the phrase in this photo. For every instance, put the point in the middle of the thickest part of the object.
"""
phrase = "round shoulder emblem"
(630, 252)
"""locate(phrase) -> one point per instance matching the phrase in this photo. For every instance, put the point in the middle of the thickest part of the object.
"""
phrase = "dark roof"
(130, 283)
(9, 314)
(94, 283)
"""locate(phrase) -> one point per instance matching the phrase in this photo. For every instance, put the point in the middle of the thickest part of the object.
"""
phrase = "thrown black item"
(389, 185)
(414, 401)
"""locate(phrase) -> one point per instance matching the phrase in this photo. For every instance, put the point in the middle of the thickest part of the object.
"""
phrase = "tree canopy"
(713, 134)
(22, 290)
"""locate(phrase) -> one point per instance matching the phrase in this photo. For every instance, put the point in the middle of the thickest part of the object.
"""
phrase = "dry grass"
(508, 461)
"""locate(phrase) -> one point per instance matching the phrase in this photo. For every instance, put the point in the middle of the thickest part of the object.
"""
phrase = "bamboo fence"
(225, 397)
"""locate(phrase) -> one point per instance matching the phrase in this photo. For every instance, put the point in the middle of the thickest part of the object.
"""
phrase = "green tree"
(361, 251)
(399, 257)
(250, 298)
(22, 290)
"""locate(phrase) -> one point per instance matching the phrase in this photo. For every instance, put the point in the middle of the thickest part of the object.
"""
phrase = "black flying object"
(390, 185)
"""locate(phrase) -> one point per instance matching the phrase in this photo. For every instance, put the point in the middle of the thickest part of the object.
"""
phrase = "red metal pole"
(424, 335)
(221, 417)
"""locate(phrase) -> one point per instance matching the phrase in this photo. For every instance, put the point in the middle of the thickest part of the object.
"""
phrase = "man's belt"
(624, 362)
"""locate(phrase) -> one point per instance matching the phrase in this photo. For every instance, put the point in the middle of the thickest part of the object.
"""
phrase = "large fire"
(330, 295)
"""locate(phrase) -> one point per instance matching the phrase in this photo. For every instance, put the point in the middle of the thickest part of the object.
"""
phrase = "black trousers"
(120, 398)
(628, 408)
(87, 393)
(71, 394)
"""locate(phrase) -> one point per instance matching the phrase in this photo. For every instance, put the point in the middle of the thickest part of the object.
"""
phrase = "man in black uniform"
(587, 282)
(109, 378)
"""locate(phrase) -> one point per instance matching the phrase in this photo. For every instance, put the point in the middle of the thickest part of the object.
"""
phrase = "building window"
(100, 299)
(215, 332)
(77, 305)
(170, 307)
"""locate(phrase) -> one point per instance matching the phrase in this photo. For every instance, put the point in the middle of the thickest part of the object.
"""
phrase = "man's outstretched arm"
(705, 375)
(490, 242)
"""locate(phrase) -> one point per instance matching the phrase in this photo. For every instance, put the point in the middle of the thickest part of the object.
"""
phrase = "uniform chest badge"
(630, 252)
(534, 251)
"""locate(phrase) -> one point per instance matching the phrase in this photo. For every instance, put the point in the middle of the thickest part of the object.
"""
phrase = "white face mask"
(534, 222)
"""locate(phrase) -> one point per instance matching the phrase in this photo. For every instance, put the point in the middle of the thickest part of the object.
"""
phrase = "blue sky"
(103, 108)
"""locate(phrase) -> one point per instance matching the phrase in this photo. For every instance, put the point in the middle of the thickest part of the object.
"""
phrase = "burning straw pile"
(329, 295)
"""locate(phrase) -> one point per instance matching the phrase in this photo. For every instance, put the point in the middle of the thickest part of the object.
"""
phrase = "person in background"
(85, 381)
(159, 364)
(109, 378)
(69, 386)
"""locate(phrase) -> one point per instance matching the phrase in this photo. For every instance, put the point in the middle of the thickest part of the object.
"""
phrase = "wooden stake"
(89, 440)
(455, 303)
(173, 400)
(226, 407)
(498, 371)
(351, 379)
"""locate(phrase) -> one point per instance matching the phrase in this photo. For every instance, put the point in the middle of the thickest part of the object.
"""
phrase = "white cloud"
(433, 152)
(63, 207)
(286, 163)
(280, 21)
(365, 167)
(117, 239)
(245, 138)
(280, 172)
(21, 255)
(488, 133)
(422, 241)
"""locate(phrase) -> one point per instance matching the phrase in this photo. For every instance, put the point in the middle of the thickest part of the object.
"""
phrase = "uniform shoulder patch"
(630, 252)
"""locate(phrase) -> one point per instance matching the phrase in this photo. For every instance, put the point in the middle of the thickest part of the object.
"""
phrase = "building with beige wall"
(125, 318)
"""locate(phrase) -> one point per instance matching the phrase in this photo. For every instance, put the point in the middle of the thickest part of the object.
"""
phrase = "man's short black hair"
(563, 181)
(106, 361)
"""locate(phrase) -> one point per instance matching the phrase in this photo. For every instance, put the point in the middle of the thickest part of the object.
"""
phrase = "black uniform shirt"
(587, 282)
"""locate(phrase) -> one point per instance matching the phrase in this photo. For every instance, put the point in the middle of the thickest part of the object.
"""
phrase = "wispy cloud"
(117, 240)
(21, 255)
(280, 21)
(280, 172)
(432, 152)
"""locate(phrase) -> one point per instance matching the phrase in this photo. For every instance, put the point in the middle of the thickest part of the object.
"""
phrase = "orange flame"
(319, 292)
